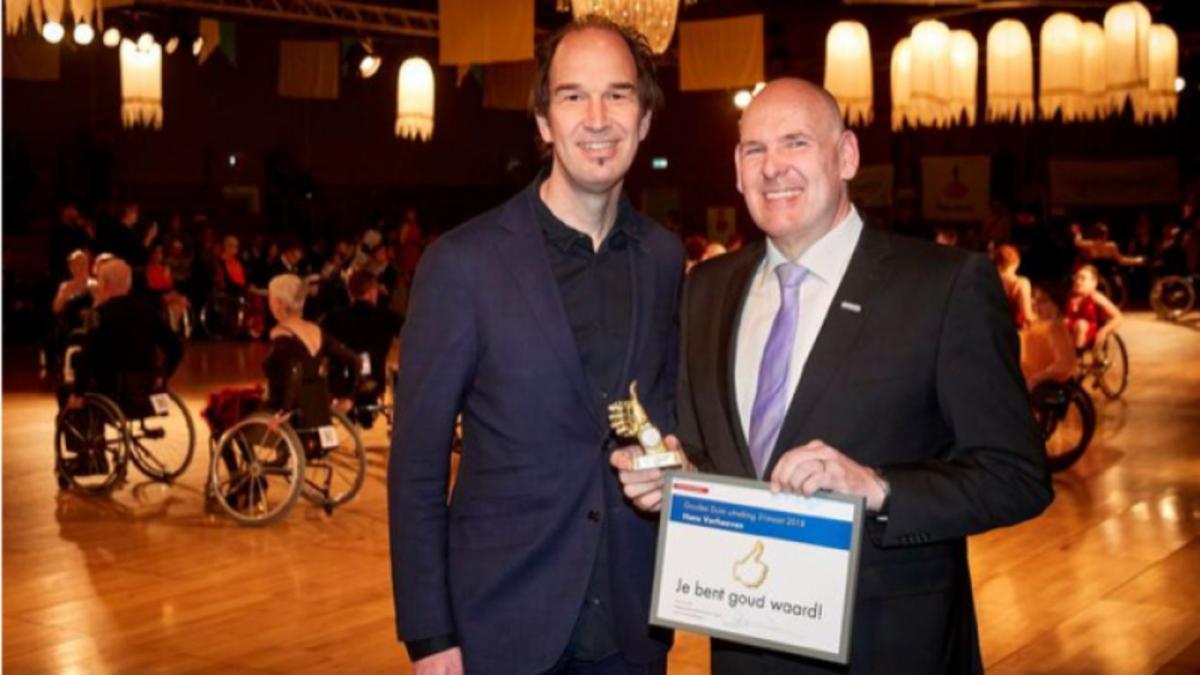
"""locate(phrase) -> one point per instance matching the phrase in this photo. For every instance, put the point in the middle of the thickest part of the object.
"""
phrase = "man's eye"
(795, 143)
(752, 151)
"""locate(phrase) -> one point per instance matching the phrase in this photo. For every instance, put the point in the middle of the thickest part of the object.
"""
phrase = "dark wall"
(336, 164)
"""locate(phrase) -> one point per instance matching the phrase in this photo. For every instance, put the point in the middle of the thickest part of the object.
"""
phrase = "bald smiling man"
(836, 356)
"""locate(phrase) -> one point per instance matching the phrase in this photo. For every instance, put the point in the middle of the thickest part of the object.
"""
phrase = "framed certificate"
(776, 571)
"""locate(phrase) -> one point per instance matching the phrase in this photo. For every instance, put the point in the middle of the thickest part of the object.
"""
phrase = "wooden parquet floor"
(147, 581)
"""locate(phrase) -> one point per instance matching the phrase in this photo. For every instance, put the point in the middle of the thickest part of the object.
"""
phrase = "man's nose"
(772, 167)
(597, 115)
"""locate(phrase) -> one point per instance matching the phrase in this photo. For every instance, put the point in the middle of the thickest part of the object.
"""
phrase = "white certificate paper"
(776, 571)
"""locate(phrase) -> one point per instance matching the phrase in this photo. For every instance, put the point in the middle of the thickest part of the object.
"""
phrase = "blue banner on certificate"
(776, 571)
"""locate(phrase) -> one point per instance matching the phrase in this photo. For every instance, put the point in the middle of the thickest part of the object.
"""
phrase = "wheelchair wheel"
(90, 445)
(1112, 366)
(223, 316)
(1067, 420)
(162, 445)
(334, 475)
(256, 472)
(1172, 297)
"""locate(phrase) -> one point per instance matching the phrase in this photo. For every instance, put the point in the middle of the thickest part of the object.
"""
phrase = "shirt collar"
(564, 236)
(829, 256)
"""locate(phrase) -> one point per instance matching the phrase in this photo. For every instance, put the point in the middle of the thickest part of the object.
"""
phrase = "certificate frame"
(858, 505)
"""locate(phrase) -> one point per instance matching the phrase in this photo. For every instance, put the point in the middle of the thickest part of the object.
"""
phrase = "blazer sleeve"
(687, 427)
(994, 474)
(439, 345)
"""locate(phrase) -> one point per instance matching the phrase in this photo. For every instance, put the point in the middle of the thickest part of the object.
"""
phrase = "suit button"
(593, 516)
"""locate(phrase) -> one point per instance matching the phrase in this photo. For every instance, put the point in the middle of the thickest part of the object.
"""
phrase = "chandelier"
(653, 18)
(47, 16)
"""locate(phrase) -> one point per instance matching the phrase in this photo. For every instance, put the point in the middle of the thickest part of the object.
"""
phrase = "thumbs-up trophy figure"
(629, 419)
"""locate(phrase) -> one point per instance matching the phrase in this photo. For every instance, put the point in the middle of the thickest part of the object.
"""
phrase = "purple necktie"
(771, 397)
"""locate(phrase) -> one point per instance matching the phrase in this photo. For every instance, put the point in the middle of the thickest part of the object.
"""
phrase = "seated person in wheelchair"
(1090, 315)
(369, 331)
(301, 356)
(127, 351)
(231, 276)
(296, 369)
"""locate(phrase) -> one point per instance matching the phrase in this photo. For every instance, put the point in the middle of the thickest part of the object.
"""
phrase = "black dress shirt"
(597, 296)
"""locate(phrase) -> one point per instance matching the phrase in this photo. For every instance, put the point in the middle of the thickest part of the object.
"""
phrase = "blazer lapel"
(835, 342)
(733, 300)
(524, 252)
(641, 283)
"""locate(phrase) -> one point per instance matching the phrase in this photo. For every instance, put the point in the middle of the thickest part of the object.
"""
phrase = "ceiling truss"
(356, 16)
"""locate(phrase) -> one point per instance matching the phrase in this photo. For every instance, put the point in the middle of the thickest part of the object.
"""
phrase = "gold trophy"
(629, 420)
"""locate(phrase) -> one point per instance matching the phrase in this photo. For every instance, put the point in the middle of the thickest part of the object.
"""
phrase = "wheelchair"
(369, 407)
(1066, 420)
(1106, 365)
(223, 316)
(1173, 296)
(146, 424)
(260, 465)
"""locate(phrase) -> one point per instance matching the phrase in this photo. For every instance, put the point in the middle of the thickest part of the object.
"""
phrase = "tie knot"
(791, 274)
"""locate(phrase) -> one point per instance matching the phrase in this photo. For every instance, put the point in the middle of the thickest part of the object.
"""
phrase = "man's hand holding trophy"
(640, 466)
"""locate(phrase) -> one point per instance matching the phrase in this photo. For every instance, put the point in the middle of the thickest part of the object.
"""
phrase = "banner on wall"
(309, 69)
(1134, 182)
(955, 189)
(32, 59)
(506, 86)
(872, 186)
(721, 53)
(495, 31)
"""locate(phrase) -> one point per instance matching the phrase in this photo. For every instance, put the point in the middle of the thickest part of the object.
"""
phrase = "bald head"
(796, 92)
(794, 160)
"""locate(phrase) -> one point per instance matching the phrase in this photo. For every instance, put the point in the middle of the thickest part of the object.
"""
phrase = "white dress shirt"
(826, 261)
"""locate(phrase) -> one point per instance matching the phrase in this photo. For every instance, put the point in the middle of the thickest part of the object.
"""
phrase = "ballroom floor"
(1107, 581)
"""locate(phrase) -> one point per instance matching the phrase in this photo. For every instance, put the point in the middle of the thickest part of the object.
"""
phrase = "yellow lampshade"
(1093, 78)
(848, 70)
(414, 100)
(1009, 72)
(141, 85)
(964, 75)
(902, 112)
(931, 73)
(1164, 68)
(1127, 56)
(1060, 70)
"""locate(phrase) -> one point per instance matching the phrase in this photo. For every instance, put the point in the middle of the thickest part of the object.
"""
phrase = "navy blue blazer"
(505, 563)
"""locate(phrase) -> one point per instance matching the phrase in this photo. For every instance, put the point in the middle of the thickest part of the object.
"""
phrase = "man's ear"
(737, 166)
(644, 126)
(543, 125)
(848, 156)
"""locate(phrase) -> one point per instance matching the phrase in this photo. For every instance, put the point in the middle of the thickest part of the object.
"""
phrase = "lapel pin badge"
(851, 306)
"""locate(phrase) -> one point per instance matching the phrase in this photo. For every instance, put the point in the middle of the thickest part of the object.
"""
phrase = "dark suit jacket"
(922, 382)
(506, 564)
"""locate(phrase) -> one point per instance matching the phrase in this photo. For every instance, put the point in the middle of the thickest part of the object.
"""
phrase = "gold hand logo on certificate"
(750, 570)
(629, 420)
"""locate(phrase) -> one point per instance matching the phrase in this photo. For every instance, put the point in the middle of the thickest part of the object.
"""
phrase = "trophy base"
(670, 459)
